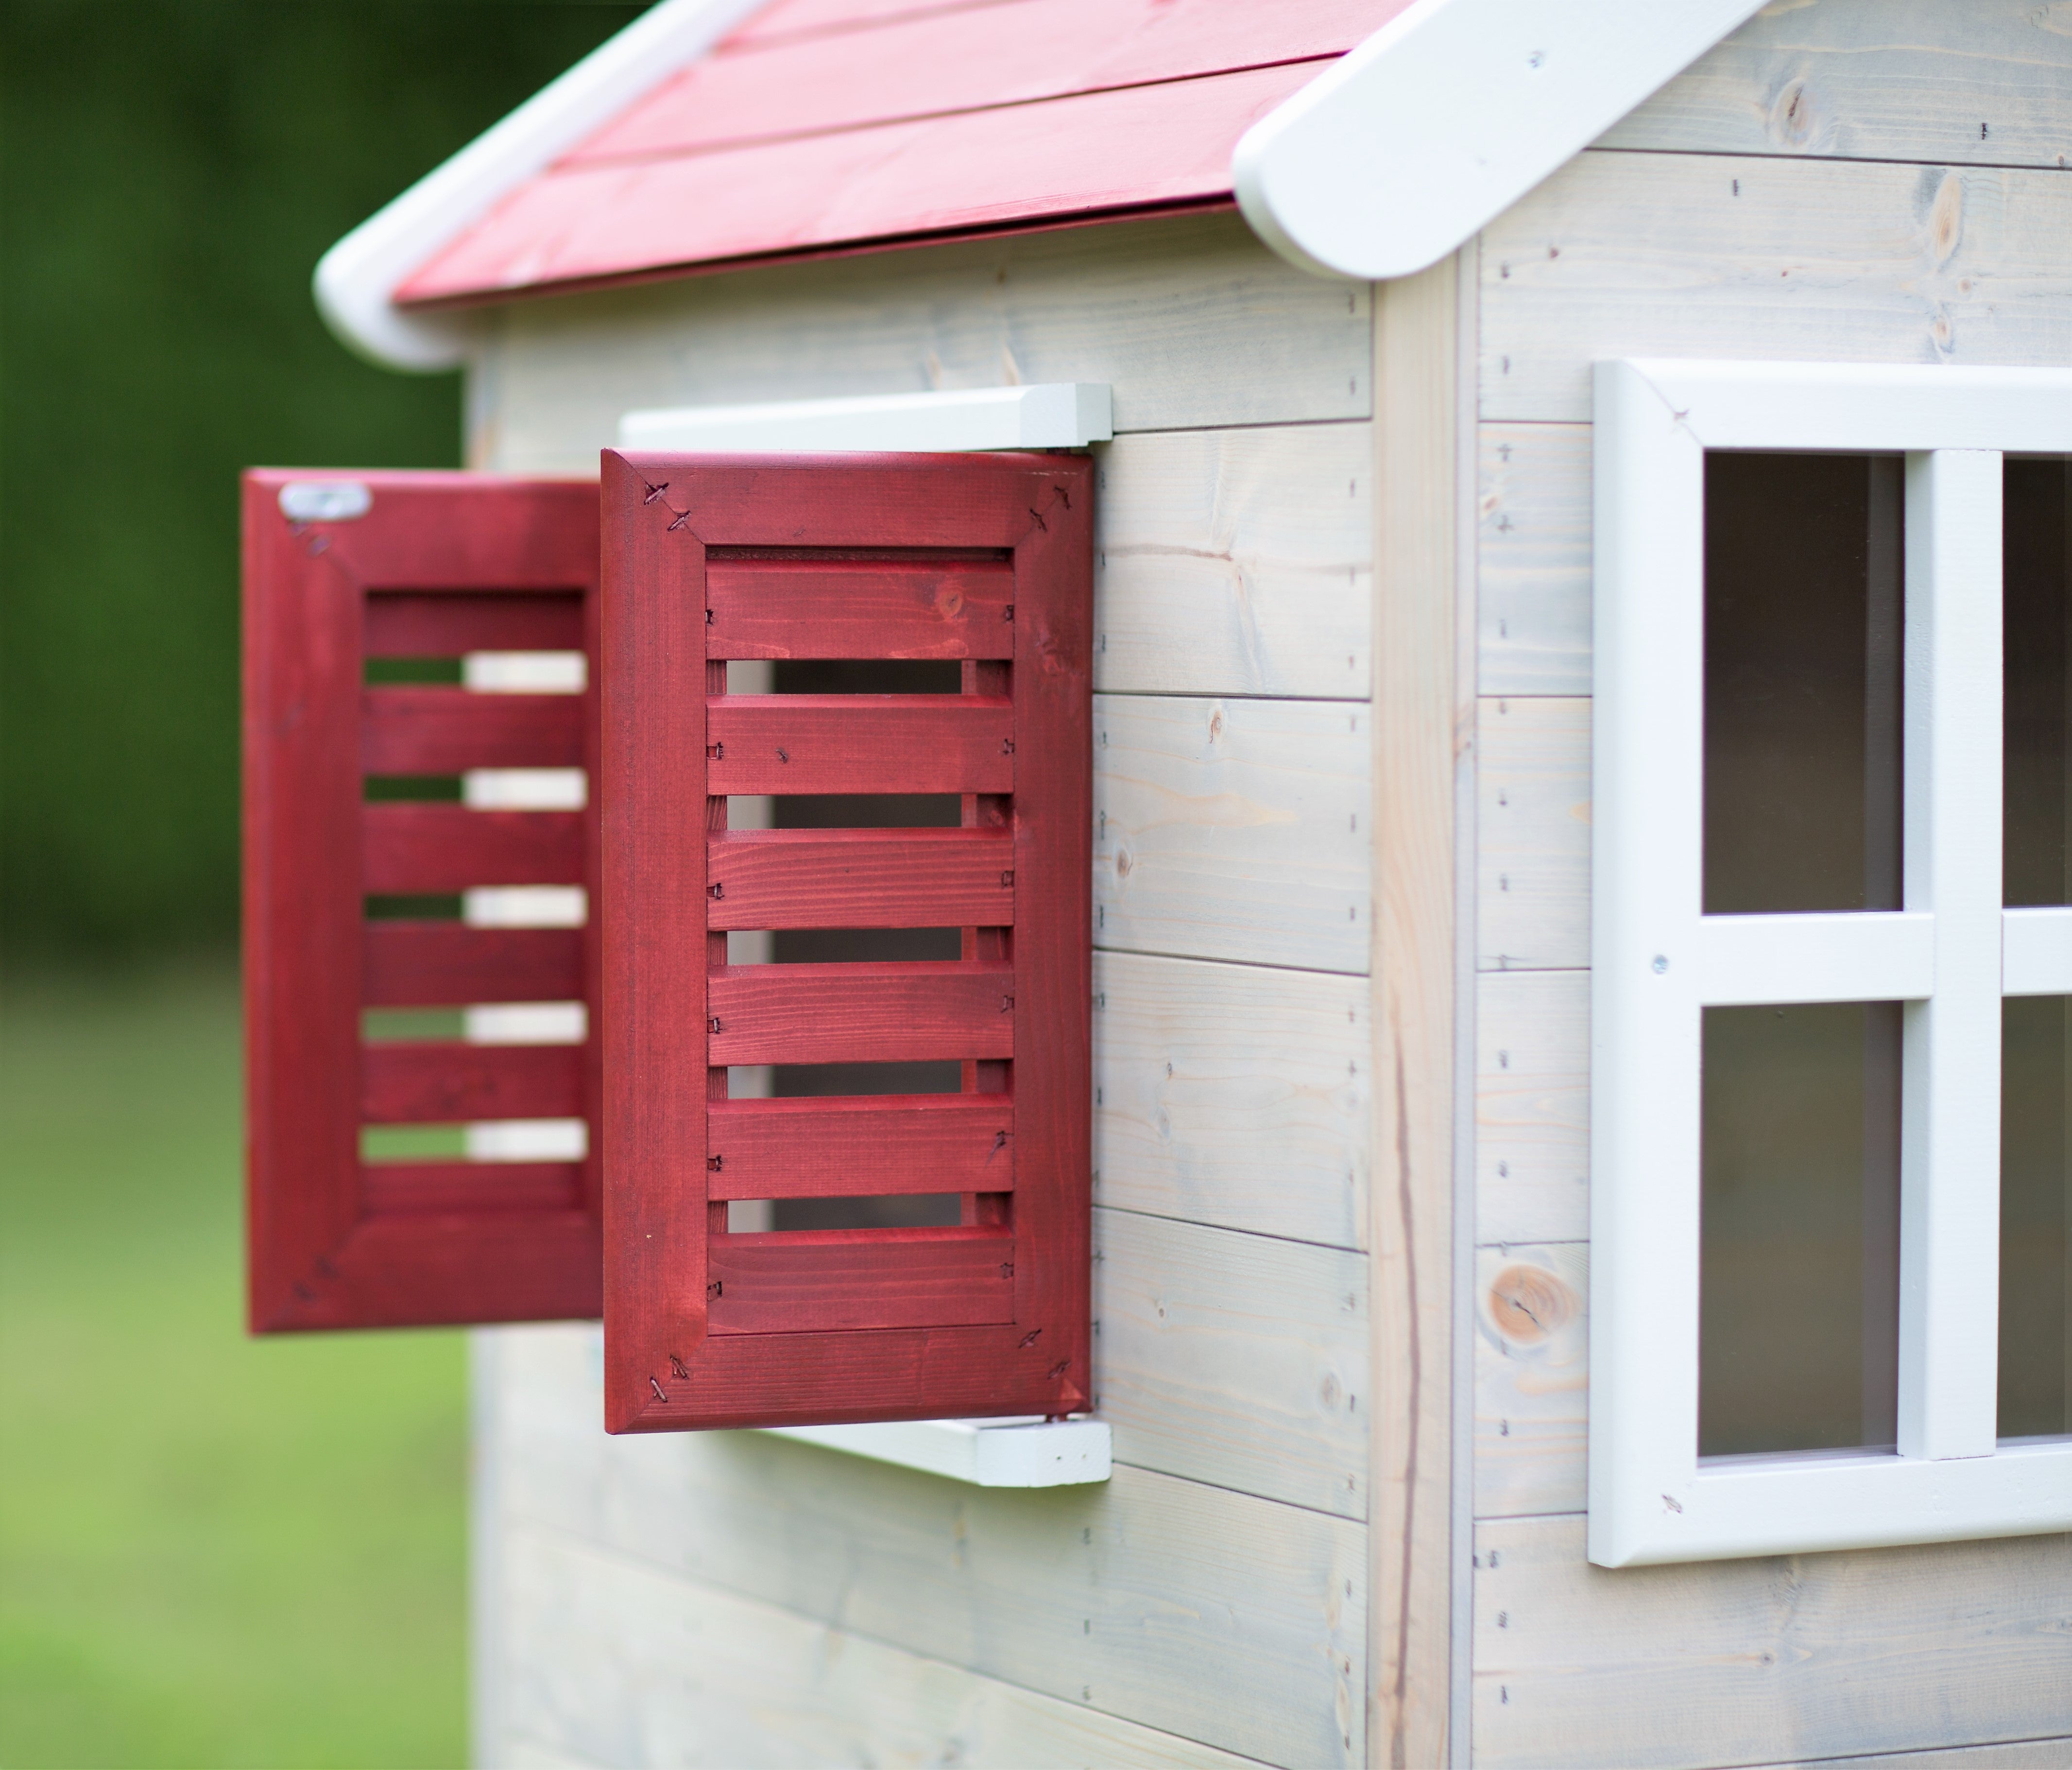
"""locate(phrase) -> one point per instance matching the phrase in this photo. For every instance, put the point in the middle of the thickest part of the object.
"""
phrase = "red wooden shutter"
(432, 566)
(984, 559)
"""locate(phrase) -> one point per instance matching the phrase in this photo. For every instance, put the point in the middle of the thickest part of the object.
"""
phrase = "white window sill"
(1028, 1452)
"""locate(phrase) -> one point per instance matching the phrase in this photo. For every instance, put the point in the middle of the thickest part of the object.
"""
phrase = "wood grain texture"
(450, 624)
(434, 1081)
(788, 878)
(1707, 255)
(1232, 829)
(442, 1188)
(1533, 798)
(1141, 306)
(1236, 1360)
(1532, 1106)
(615, 1664)
(859, 608)
(881, 1146)
(1533, 571)
(1235, 561)
(1765, 1661)
(845, 743)
(1228, 1619)
(861, 1013)
(1233, 1096)
(2019, 1754)
(1420, 712)
(838, 1281)
(1532, 1378)
(407, 848)
(1988, 83)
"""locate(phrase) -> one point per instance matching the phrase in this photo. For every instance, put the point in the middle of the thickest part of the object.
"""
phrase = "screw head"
(1661, 964)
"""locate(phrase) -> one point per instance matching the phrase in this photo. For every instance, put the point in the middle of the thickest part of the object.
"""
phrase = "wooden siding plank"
(1141, 306)
(611, 1663)
(1704, 255)
(1532, 1106)
(866, 743)
(1236, 562)
(859, 608)
(818, 1282)
(861, 1013)
(434, 1081)
(1533, 797)
(1533, 574)
(426, 964)
(1233, 1096)
(1226, 1618)
(1758, 1661)
(1233, 830)
(407, 848)
(443, 731)
(861, 1148)
(800, 878)
(2020, 1755)
(1532, 1379)
(1234, 1359)
(1986, 83)
(432, 624)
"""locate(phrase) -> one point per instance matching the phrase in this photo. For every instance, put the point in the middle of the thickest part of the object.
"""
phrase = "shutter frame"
(332, 1243)
(676, 1358)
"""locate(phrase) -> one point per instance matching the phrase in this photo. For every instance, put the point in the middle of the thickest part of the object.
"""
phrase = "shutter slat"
(436, 1081)
(837, 1279)
(798, 608)
(422, 848)
(438, 965)
(441, 731)
(860, 743)
(861, 1148)
(433, 624)
(788, 878)
(396, 1188)
(830, 1013)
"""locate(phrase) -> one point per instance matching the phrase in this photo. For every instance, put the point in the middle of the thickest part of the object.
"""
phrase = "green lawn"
(212, 1550)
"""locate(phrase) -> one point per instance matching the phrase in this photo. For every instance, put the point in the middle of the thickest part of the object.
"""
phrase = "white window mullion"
(1949, 1316)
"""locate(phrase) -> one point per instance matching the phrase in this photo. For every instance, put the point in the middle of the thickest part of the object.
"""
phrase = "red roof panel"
(833, 125)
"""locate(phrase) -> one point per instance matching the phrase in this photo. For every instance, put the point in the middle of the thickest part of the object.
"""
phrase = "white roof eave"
(1447, 115)
(356, 280)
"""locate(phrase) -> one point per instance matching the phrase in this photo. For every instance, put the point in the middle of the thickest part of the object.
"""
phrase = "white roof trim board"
(1410, 144)
(356, 278)
(1447, 115)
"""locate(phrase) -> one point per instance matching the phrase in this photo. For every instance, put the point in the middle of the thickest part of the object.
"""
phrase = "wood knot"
(1792, 115)
(1530, 1305)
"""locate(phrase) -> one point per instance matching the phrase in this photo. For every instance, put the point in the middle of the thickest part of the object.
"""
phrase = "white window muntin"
(1657, 961)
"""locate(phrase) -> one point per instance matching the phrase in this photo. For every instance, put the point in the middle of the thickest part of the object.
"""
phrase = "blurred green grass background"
(212, 1550)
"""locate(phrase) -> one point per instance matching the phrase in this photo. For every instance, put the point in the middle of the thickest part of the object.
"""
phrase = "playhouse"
(1274, 893)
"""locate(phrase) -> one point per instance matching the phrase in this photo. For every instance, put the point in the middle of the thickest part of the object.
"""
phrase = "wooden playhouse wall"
(733, 1598)
(1854, 180)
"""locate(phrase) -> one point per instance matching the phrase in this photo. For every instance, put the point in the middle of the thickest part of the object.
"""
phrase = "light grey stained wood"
(1777, 1659)
(1533, 810)
(2020, 1755)
(1533, 571)
(1234, 1359)
(1532, 1106)
(1232, 829)
(1532, 1368)
(1989, 82)
(1235, 561)
(1706, 255)
(620, 1665)
(1232, 1095)
(1234, 1621)
(1190, 320)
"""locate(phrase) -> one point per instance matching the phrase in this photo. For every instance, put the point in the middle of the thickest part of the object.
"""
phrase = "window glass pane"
(1803, 626)
(1798, 1293)
(2037, 594)
(2036, 1213)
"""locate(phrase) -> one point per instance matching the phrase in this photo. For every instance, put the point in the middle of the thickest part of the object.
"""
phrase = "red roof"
(832, 125)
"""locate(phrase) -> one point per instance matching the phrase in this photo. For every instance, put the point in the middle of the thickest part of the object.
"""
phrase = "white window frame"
(1949, 954)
